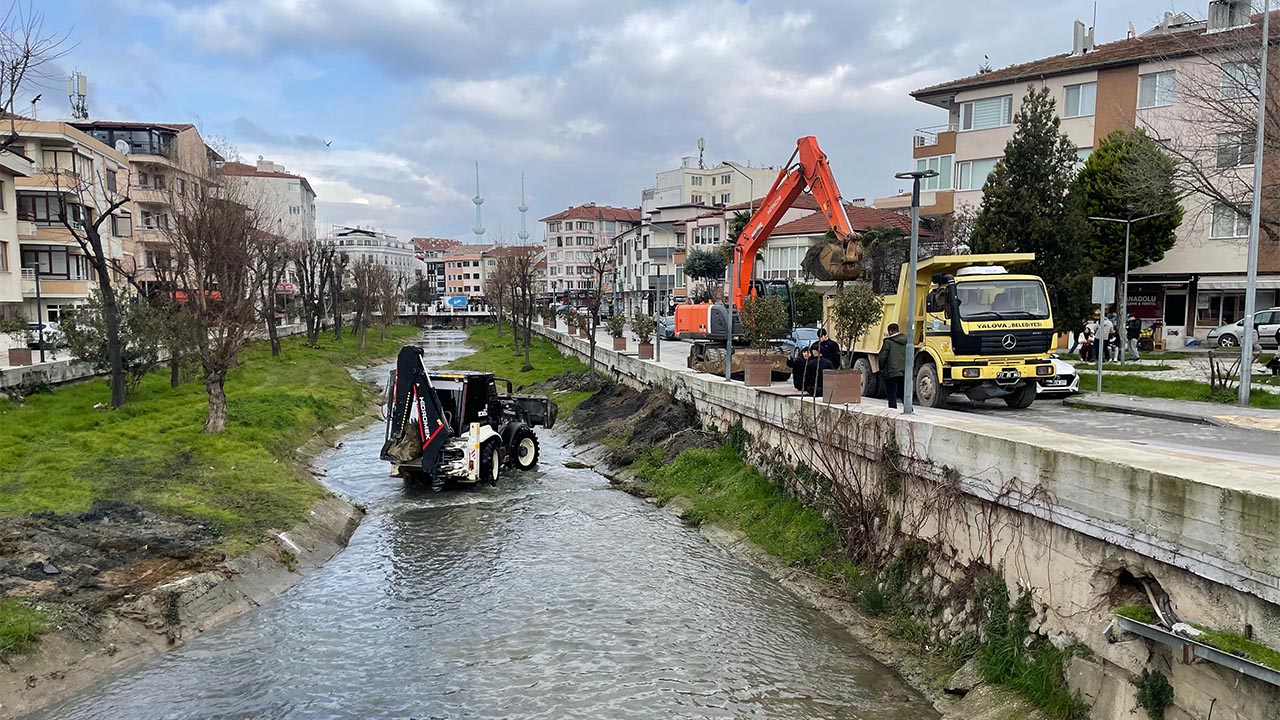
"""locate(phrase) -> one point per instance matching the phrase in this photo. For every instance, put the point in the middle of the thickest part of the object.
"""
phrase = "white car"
(1065, 381)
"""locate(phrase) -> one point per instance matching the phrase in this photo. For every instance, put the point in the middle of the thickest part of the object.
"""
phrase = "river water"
(546, 596)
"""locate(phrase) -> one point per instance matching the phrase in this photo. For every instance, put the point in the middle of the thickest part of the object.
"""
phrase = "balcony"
(661, 253)
(53, 287)
(929, 136)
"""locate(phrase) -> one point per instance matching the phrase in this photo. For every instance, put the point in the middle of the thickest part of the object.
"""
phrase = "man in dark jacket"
(829, 349)
(813, 368)
(796, 363)
(893, 361)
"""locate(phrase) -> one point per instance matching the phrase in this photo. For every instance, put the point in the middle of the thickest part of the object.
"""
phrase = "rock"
(575, 465)
(965, 679)
(51, 569)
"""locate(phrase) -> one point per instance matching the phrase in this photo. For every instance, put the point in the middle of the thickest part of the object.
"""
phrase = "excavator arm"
(808, 167)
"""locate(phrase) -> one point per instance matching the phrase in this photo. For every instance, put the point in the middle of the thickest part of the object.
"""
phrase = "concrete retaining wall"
(1060, 514)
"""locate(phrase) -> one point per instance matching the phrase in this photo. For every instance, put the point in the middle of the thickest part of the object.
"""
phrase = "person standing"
(829, 349)
(893, 361)
(1132, 331)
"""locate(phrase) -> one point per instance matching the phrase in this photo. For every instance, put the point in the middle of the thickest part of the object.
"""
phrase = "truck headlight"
(1044, 369)
(970, 372)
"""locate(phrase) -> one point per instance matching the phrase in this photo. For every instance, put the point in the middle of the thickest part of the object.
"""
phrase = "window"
(4, 256)
(1155, 89)
(1239, 80)
(159, 180)
(713, 182)
(695, 180)
(724, 198)
(144, 180)
(724, 179)
(941, 164)
(585, 226)
(986, 113)
(195, 190)
(972, 174)
(1235, 150)
(122, 225)
(1227, 223)
(1080, 100)
(1081, 156)
(610, 226)
(111, 181)
(293, 186)
(45, 209)
(182, 187)
(295, 210)
(695, 198)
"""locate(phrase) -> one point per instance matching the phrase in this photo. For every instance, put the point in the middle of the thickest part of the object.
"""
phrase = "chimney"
(1081, 39)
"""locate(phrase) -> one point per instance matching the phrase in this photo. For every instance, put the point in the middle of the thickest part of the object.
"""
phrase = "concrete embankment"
(1081, 526)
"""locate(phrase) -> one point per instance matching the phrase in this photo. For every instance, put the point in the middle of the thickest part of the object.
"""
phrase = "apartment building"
(727, 183)
(432, 251)
(13, 165)
(1141, 81)
(358, 243)
(166, 162)
(489, 258)
(75, 174)
(646, 266)
(286, 198)
(573, 236)
(463, 271)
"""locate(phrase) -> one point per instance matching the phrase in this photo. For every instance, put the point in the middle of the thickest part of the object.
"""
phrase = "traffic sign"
(1104, 290)
(457, 301)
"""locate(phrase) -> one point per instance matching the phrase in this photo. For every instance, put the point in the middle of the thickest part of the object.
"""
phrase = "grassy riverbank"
(62, 454)
(495, 353)
(1174, 389)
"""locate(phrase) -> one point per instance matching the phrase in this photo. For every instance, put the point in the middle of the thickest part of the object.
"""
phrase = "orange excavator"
(841, 260)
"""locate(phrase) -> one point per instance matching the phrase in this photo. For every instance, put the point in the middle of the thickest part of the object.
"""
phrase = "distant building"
(432, 251)
(728, 183)
(489, 261)
(13, 165)
(287, 198)
(363, 243)
(574, 235)
(463, 274)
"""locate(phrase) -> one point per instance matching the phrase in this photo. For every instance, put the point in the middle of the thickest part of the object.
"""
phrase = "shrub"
(643, 326)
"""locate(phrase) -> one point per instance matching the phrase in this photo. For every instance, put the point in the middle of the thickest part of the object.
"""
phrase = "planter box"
(841, 386)
(620, 344)
(19, 356)
(646, 351)
(757, 373)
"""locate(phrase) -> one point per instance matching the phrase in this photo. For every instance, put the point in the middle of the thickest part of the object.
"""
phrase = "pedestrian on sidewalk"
(893, 361)
(813, 368)
(829, 349)
(1132, 330)
(1106, 343)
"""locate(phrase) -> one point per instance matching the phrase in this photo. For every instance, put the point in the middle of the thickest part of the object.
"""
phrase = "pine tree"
(1024, 205)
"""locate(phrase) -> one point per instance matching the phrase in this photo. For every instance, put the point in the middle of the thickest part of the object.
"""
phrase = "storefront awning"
(1237, 282)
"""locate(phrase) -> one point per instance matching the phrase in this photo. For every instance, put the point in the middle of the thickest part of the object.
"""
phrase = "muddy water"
(547, 596)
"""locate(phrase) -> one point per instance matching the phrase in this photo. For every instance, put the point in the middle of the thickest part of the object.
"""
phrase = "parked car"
(1065, 380)
(667, 327)
(53, 335)
(1267, 323)
(798, 339)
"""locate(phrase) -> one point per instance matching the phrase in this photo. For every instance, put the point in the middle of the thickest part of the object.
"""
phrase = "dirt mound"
(632, 422)
(93, 558)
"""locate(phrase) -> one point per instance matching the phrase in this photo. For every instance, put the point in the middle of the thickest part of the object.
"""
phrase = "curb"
(1190, 418)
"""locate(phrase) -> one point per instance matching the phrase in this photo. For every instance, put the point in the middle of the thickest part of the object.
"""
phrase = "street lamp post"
(751, 184)
(729, 307)
(1251, 277)
(1122, 317)
(908, 384)
(39, 311)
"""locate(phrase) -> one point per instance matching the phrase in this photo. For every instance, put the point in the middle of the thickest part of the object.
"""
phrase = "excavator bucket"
(833, 260)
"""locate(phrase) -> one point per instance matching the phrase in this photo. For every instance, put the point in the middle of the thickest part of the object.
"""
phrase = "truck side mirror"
(934, 302)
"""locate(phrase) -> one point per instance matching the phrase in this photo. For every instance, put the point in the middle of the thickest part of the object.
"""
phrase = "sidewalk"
(1188, 411)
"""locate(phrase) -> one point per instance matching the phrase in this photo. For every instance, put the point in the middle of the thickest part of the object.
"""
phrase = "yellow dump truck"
(980, 329)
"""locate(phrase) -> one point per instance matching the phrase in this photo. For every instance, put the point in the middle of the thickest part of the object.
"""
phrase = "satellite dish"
(122, 147)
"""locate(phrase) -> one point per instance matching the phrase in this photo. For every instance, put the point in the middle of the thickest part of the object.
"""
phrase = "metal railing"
(924, 137)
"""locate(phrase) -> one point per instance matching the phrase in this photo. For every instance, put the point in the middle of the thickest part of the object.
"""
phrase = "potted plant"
(643, 326)
(16, 328)
(763, 318)
(855, 308)
(615, 325)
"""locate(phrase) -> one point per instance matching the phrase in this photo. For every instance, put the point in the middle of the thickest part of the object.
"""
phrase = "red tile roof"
(120, 124)
(435, 243)
(804, 202)
(512, 250)
(591, 211)
(861, 218)
(1120, 52)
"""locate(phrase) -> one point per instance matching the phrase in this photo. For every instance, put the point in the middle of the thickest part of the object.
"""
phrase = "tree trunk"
(527, 365)
(175, 370)
(591, 362)
(216, 421)
(364, 334)
(115, 351)
(382, 333)
(337, 313)
(272, 333)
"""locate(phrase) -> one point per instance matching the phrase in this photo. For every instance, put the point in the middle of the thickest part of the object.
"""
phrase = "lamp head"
(916, 175)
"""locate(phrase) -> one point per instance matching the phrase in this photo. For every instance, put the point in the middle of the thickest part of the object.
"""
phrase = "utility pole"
(1251, 282)
(908, 385)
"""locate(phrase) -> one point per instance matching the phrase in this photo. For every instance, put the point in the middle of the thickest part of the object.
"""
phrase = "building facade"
(379, 247)
(464, 271)
(432, 251)
(286, 198)
(727, 183)
(1157, 81)
(12, 286)
(575, 236)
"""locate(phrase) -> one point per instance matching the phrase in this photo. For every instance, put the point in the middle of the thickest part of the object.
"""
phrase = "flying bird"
(327, 143)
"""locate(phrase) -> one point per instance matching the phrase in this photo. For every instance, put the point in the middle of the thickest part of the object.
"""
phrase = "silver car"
(1267, 323)
(1065, 380)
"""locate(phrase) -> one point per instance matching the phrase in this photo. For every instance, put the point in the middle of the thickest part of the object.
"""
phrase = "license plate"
(1008, 375)
(1056, 382)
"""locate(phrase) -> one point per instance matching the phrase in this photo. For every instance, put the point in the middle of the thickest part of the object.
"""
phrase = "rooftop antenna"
(478, 200)
(35, 100)
(77, 91)
(524, 209)
(702, 144)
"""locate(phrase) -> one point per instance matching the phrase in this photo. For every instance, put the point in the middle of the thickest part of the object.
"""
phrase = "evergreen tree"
(1128, 176)
(1024, 206)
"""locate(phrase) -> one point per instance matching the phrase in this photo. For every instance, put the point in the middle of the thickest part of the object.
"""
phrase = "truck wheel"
(1023, 396)
(490, 461)
(870, 381)
(928, 391)
(524, 450)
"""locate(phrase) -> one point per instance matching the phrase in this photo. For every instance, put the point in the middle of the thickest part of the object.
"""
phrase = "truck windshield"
(998, 299)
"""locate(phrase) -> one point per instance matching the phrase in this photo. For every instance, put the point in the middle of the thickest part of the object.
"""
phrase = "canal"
(546, 596)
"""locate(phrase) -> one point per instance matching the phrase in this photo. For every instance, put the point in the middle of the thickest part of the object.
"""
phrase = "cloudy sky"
(588, 98)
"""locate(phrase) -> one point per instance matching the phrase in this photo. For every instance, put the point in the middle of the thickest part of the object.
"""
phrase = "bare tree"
(368, 280)
(524, 274)
(1210, 130)
(599, 268)
(272, 259)
(390, 293)
(337, 276)
(27, 50)
(217, 236)
(313, 266)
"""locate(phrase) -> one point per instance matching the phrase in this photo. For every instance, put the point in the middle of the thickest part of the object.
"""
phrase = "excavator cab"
(780, 289)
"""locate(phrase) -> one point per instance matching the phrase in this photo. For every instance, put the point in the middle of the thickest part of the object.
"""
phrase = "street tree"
(216, 235)
(857, 307)
(141, 328)
(708, 268)
(807, 300)
(272, 258)
(29, 54)
(599, 268)
(524, 290)
(1024, 206)
(390, 293)
(365, 285)
(313, 267)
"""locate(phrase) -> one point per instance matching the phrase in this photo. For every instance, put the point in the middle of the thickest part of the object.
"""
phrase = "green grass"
(20, 627)
(1172, 390)
(1169, 355)
(1127, 367)
(1142, 612)
(495, 353)
(726, 491)
(1230, 642)
(61, 454)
